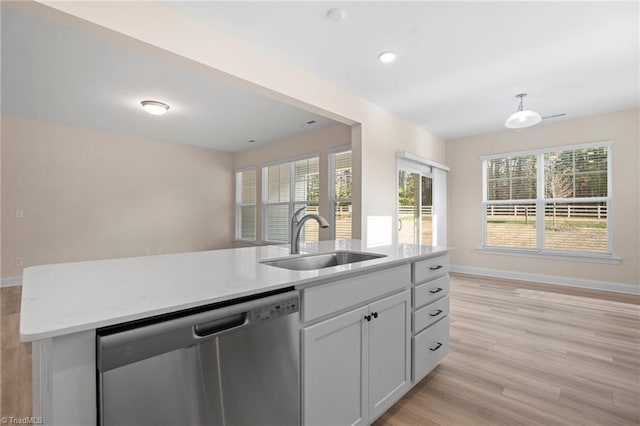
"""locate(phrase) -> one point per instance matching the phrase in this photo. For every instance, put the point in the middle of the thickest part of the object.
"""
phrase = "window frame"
(239, 204)
(541, 201)
(292, 201)
(332, 187)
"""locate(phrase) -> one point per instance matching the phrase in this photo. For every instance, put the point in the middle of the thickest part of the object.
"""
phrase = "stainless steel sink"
(322, 260)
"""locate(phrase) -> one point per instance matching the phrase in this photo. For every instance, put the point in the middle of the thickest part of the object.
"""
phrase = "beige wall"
(319, 141)
(313, 142)
(376, 136)
(465, 195)
(89, 194)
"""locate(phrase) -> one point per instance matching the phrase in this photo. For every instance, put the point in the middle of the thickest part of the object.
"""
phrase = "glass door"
(415, 207)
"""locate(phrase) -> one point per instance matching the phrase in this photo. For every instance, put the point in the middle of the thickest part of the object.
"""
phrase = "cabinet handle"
(375, 314)
(435, 268)
(367, 317)
(437, 313)
(436, 347)
(438, 290)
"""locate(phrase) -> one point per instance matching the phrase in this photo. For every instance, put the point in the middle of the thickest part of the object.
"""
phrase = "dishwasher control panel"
(273, 311)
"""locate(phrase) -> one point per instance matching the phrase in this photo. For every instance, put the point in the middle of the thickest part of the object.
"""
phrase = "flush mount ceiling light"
(336, 15)
(522, 118)
(387, 57)
(155, 107)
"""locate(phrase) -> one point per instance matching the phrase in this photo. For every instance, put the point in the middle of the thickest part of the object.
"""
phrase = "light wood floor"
(15, 358)
(520, 354)
(531, 355)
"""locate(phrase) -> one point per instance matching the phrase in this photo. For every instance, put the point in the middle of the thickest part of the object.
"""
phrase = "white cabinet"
(335, 372)
(429, 347)
(356, 365)
(430, 316)
(389, 356)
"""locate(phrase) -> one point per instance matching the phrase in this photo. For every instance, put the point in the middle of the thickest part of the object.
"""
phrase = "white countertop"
(66, 298)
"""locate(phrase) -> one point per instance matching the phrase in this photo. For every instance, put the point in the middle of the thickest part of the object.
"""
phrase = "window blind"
(341, 173)
(246, 189)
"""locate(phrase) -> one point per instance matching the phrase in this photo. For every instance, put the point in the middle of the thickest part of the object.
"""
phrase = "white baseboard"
(548, 279)
(11, 282)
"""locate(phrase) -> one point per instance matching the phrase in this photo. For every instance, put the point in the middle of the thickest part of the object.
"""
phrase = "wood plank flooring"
(521, 354)
(529, 354)
(15, 358)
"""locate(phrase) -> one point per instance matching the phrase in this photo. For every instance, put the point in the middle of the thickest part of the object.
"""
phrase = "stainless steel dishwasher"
(235, 364)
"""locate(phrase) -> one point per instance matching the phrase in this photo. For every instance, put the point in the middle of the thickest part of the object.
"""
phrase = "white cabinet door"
(335, 370)
(389, 352)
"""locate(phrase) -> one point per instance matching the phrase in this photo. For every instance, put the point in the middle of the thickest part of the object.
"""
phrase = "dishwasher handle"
(217, 326)
(145, 341)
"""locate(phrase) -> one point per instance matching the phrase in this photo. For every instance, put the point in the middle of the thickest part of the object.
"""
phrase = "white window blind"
(554, 200)
(576, 200)
(511, 178)
(341, 183)
(246, 189)
(288, 187)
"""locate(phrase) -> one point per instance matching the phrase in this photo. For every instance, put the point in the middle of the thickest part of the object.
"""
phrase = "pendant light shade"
(522, 118)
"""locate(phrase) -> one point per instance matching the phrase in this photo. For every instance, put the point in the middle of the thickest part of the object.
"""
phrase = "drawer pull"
(367, 317)
(375, 314)
(435, 268)
(437, 313)
(437, 290)
(438, 346)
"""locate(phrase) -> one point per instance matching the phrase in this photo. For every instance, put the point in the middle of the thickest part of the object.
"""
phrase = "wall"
(318, 141)
(465, 198)
(376, 133)
(89, 194)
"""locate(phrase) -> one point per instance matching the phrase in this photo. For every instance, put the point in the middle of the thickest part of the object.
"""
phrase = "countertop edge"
(31, 336)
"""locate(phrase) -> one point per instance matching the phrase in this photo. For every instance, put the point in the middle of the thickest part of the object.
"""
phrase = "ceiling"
(59, 69)
(460, 64)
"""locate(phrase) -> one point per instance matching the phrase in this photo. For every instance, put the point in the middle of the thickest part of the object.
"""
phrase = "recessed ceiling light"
(336, 15)
(155, 107)
(387, 57)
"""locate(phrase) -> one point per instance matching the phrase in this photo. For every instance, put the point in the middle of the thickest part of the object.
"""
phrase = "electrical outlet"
(19, 261)
(19, 214)
(158, 250)
(147, 252)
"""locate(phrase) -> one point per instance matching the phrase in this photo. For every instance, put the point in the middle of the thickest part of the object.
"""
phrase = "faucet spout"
(296, 227)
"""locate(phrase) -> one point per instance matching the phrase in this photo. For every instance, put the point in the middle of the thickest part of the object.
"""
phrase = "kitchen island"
(64, 304)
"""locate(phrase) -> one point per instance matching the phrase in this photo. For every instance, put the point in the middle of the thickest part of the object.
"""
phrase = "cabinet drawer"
(424, 317)
(429, 269)
(429, 347)
(325, 299)
(430, 291)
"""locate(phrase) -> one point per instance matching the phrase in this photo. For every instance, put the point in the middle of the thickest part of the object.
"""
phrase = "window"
(246, 204)
(288, 187)
(552, 201)
(341, 181)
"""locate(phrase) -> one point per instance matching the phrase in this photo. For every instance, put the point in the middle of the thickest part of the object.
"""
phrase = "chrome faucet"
(296, 227)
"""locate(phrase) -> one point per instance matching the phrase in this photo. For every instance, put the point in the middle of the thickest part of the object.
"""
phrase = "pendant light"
(522, 118)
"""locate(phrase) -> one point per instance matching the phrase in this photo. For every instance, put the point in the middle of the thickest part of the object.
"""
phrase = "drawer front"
(424, 317)
(429, 347)
(327, 298)
(429, 269)
(429, 292)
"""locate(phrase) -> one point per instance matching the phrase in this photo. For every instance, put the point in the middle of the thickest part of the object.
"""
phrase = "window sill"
(247, 242)
(590, 258)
